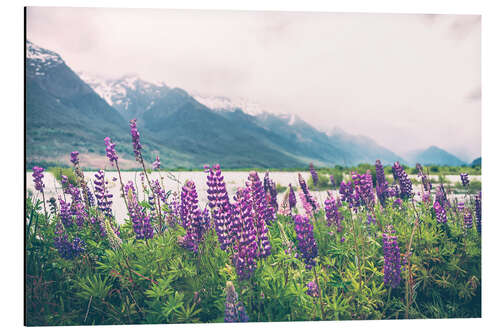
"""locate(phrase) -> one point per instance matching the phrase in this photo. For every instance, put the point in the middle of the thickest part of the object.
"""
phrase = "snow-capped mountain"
(221, 103)
(129, 94)
(41, 59)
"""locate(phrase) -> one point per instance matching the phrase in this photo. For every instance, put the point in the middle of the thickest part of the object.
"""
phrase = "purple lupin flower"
(404, 181)
(37, 178)
(192, 220)
(398, 203)
(91, 197)
(69, 249)
(246, 243)
(392, 258)
(74, 192)
(78, 213)
(102, 194)
(307, 206)
(269, 211)
(314, 174)
(478, 212)
(440, 213)
(333, 216)
(74, 158)
(235, 311)
(382, 187)
(465, 179)
(346, 191)
(332, 180)
(65, 213)
(270, 189)
(218, 201)
(371, 219)
(312, 289)
(306, 242)
(110, 150)
(441, 196)
(141, 221)
(159, 191)
(349, 195)
(425, 181)
(292, 199)
(259, 206)
(307, 194)
(136, 140)
(363, 187)
(156, 163)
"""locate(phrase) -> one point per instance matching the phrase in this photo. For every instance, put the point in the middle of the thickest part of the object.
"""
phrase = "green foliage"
(280, 188)
(158, 281)
(58, 172)
(323, 183)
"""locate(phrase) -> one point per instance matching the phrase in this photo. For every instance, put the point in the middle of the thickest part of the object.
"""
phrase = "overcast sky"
(407, 81)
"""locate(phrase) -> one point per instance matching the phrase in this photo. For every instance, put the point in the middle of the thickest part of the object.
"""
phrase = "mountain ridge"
(82, 109)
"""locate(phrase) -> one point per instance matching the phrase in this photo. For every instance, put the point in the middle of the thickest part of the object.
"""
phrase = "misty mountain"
(433, 156)
(63, 112)
(128, 94)
(67, 112)
(476, 162)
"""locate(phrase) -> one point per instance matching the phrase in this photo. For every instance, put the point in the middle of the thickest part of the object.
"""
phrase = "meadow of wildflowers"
(379, 250)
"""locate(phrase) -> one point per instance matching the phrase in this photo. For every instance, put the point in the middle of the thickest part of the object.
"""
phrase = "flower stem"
(320, 294)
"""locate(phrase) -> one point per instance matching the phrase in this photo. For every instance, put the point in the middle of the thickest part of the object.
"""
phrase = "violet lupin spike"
(218, 201)
(307, 194)
(37, 178)
(333, 216)
(332, 180)
(404, 181)
(259, 206)
(382, 187)
(102, 194)
(192, 219)
(312, 289)
(314, 174)
(392, 258)
(478, 212)
(246, 244)
(136, 140)
(110, 150)
(74, 158)
(440, 213)
(141, 221)
(306, 242)
(292, 199)
(157, 163)
(465, 179)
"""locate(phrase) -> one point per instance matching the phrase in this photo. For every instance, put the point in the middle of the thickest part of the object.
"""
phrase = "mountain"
(63, 113)
(67, 112)
(239, 125)
(433, 156)
(129, 94)
(221, 103)
(363, 148)
(476, 162)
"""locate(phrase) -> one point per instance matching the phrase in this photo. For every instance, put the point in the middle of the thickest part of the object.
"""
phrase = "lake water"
(173, 181)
